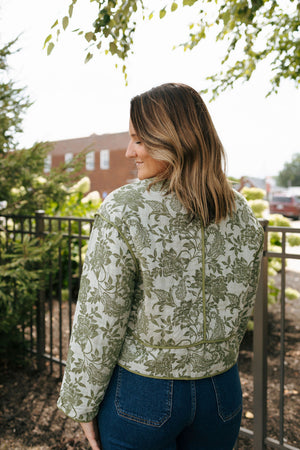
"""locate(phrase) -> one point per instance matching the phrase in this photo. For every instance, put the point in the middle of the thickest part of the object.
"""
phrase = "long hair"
(175, 126)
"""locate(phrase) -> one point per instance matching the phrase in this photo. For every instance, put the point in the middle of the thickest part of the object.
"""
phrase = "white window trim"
(105, 159)
(90, 161)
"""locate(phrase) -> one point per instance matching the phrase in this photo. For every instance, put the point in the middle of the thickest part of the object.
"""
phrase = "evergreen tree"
(23, 186)
(13, 104)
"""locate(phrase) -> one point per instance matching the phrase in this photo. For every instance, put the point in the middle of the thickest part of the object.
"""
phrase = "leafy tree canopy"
(290, 174)
(255, 29)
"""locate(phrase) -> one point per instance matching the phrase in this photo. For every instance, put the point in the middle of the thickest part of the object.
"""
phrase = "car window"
(282, 199)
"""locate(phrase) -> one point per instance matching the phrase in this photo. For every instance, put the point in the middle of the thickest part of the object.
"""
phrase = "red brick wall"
(121, 171)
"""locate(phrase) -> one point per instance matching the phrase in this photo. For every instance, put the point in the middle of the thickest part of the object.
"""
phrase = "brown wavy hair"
(175, 126)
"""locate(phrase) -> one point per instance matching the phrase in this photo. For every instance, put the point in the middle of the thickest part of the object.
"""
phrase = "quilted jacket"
(160, 295)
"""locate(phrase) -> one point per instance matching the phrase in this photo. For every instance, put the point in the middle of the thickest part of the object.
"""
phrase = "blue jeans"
(152, 414)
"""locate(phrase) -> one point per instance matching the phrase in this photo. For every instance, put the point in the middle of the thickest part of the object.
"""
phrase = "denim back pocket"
(227, 387)
(142, 399)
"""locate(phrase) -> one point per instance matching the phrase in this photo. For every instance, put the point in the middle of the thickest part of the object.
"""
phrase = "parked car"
(287, 205)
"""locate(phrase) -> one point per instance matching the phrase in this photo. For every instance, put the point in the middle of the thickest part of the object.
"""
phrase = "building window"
(68, 159)
(90, 161)
(104, 159)
(47, 163)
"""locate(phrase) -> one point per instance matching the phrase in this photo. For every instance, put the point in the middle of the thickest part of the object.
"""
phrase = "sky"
(72, 99)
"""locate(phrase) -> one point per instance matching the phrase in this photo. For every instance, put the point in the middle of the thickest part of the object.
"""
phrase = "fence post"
(40, 304)
(260, 351)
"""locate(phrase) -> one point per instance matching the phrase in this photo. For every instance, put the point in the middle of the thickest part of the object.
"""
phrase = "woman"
(168, 285)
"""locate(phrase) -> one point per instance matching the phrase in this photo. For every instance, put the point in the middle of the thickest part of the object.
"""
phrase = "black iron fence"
(258, 434)
(49, 333)
(50, 330)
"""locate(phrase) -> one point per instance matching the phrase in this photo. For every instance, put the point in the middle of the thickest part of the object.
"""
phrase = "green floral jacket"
(160, 295)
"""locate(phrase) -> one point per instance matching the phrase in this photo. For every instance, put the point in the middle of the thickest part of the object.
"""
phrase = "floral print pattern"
(160, 295)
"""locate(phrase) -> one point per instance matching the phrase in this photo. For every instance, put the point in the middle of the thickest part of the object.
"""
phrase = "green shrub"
(252, 193)
(275, 239)
(293, 240)
(258, 207)
(278, 220)
(23, 272)
(292, 294)
(273, 292)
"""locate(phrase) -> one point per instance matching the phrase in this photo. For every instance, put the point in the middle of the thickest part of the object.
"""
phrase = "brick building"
(105, 162)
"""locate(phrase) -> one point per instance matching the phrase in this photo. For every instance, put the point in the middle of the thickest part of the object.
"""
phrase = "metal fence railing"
(260, 340)
(50, 331)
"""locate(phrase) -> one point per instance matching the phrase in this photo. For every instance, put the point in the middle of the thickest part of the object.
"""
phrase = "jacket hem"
(183, 378)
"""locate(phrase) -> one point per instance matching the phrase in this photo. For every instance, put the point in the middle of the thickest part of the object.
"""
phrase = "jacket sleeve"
(254, 275)
(100, 321)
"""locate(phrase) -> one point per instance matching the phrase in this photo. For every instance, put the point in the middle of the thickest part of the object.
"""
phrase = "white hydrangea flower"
(41, 180)
(83, 186)
(18, 191)
(93, 197)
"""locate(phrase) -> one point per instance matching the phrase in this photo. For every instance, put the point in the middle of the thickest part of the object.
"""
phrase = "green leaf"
(48, 38)
(65, 22)
(55, 24)
(89, 36)
(162, 13)
(151, 16)
(88, 57)
(226, 17)
(113, 48)
(174, 6)
(189, 2)
(71, 10)
(50, 48)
